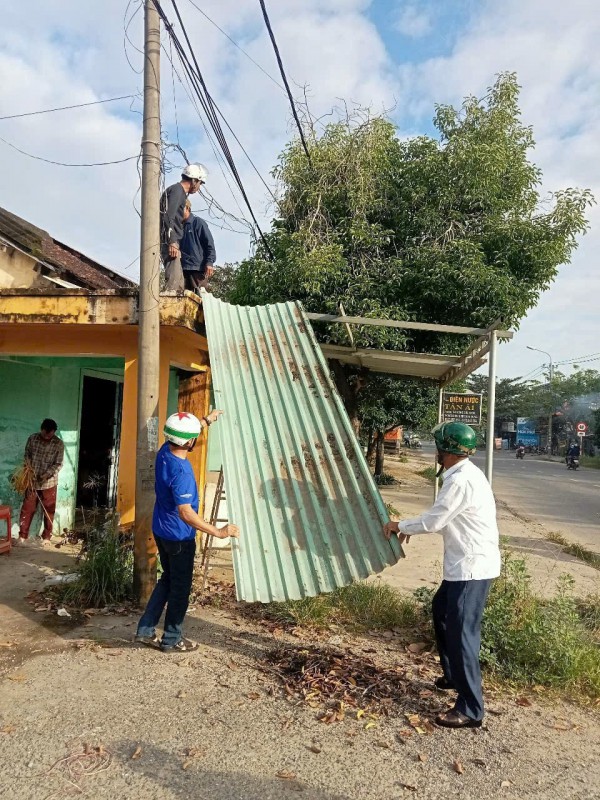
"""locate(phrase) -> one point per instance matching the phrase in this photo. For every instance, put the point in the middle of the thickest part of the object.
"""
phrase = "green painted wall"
(31, 389)
(173, 395)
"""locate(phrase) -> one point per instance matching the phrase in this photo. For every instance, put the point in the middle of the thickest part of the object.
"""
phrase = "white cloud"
(76, 56)
(50, 59)
(410, 21)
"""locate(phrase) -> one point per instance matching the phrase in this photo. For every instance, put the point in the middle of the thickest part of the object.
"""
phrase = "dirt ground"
(213, 724)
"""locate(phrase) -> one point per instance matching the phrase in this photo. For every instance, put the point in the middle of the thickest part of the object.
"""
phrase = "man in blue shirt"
(198, 253)
(174, 525)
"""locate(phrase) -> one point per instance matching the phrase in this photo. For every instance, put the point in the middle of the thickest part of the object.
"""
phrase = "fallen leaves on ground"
(409, 786)
(422, 757)
(421, 726)
(286, 775)
(458, 767)
(17, 678)
(136, 753)
(190, 753)
(344, 682)
(524, 702)
(506, 784)
(8, 729)
(8, 644)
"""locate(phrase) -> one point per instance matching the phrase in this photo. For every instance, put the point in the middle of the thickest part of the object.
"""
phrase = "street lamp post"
(550, 376)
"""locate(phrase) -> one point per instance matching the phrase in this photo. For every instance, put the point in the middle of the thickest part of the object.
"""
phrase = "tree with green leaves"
(570, 399)
(445, 230)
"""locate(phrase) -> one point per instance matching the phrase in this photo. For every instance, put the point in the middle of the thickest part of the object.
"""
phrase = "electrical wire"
(239, 47)
(219, 158)
(591, 356)
(174, 95)
(67, 108)
(126, 25)
(284, 77)
(63, 164)
(196, 77)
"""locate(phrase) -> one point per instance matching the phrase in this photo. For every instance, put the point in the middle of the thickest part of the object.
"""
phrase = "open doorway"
(99, 439)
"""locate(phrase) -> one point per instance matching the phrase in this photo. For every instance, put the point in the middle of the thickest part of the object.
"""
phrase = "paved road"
(562, 500)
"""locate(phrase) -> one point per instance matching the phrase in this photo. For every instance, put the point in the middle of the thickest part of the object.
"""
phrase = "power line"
(193, 100)
(201, 90)
(68, 108)
(62, 163)
(591, 356)
(239, 47)
(126, 25)
(284, 77)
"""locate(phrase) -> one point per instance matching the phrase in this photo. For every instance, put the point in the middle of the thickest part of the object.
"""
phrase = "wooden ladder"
(214, 519)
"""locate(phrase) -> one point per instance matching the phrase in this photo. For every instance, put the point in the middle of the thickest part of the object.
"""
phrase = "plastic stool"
(5, 544)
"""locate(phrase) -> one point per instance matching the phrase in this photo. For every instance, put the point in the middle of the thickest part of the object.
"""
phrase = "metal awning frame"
(486, 344)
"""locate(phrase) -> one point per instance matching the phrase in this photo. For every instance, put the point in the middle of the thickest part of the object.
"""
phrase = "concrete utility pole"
(491, 429)
(144, 571)
(550, 378)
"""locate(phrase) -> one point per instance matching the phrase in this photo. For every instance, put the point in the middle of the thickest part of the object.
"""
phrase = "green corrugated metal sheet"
(296, 480)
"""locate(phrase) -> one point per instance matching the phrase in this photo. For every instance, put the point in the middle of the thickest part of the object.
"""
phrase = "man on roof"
(172, 206)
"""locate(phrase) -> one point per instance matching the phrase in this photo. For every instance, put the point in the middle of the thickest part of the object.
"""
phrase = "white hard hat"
(196, 172)
(182, 428)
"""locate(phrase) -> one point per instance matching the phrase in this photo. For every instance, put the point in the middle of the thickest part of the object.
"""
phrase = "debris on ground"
(342, 683)
(81, 764)
(217, 593)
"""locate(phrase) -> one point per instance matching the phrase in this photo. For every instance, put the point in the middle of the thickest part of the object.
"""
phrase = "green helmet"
(456, 438)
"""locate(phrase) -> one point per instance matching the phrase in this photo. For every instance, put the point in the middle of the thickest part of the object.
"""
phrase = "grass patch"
(527, 640)
(590, 461)
(385, 479)
(358, 606)
(105, 573)
(573, 549)
(392, 510)
(428, 473)
(530, 641)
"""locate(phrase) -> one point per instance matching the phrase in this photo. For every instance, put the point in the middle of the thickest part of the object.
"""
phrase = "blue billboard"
(526, 432)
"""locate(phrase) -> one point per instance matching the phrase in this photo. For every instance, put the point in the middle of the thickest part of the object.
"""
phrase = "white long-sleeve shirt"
(464, 513)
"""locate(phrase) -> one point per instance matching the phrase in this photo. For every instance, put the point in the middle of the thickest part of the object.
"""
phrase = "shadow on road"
(167, 770)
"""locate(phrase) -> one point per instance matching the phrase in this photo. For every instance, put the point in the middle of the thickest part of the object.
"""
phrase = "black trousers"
(195, 280)
(457, 612)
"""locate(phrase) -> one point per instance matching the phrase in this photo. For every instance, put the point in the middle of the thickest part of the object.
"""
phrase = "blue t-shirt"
(175, 485)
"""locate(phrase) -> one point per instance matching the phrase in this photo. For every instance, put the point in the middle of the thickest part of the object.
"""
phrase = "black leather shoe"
(454, 719)
(443, 685)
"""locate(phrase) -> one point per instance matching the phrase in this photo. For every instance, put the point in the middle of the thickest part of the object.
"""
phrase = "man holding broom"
(44, 454)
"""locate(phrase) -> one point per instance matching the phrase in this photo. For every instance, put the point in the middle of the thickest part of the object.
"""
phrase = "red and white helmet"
(182, 428)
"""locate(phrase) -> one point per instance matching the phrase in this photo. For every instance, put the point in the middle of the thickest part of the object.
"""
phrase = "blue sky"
(383, 54)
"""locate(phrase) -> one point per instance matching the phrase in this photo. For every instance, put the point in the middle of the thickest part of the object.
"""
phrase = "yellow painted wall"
(17, 270)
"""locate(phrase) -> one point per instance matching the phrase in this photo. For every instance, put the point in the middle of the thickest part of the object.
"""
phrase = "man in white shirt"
(465, 515)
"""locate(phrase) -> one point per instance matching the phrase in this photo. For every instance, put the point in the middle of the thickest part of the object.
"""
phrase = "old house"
(68, 350)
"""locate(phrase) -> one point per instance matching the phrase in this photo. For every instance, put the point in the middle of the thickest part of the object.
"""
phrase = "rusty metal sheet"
(296, 479)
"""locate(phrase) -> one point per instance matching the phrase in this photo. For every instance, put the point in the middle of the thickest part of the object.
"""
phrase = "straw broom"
(22, 481)
(22, 478)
